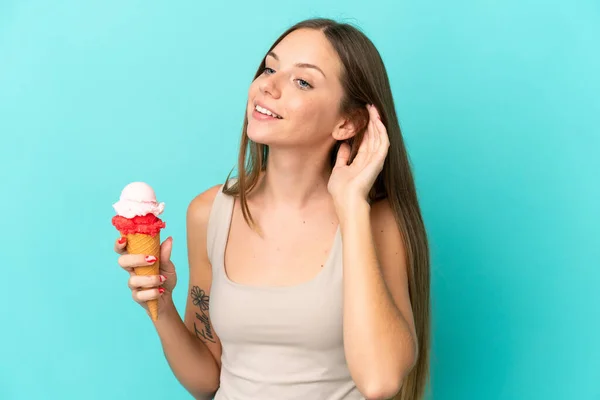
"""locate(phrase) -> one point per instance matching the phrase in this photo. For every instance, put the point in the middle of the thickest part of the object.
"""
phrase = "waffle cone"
(138, 243)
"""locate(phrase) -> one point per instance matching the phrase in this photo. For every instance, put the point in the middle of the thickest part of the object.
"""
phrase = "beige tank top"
(279, 343)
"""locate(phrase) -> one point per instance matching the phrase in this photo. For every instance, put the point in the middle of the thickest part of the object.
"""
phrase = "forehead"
(309, 46)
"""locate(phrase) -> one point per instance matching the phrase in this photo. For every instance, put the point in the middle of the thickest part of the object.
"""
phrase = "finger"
(145, 281)
(372, 129)
(144, 295)
(121, 245)
(343, 155)
(376, 128)
(135, 260)
(378, 136)
(372, 136)
(165, 250)
(364, 143)
(383, 135)
(377, 114)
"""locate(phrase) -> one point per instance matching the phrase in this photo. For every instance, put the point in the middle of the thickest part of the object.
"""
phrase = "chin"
(261, 134)
(266, 132)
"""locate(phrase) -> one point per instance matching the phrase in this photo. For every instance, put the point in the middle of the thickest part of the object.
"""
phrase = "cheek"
(253, 90)
(316, 114)
(305, 110)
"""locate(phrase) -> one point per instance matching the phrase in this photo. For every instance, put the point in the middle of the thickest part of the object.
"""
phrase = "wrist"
(352, 207)
(166, 307)
(169, 321)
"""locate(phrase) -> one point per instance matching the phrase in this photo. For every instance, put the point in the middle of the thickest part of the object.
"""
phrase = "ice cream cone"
(138, 243)
(137, 220)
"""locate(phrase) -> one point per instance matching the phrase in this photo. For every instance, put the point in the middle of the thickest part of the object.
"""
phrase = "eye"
(268, 71)
(303, 84)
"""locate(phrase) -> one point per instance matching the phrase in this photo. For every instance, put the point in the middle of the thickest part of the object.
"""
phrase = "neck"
(294, 177)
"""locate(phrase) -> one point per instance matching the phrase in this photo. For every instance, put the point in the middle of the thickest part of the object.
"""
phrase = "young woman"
(309, 272)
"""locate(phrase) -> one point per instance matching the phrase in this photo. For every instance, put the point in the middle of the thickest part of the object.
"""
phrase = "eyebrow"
(300, 65)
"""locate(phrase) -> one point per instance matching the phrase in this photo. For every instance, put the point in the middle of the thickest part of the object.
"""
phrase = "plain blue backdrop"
(499, 105)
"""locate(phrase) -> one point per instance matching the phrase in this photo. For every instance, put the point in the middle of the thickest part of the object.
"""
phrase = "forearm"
(191, 361)
(377, 339)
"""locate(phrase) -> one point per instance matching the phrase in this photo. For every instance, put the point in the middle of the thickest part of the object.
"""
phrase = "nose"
(270, 85)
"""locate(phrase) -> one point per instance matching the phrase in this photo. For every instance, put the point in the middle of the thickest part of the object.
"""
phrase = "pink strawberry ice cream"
(138, 211)
(138, 198)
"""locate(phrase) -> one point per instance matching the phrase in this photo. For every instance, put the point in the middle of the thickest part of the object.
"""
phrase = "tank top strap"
(219, 221)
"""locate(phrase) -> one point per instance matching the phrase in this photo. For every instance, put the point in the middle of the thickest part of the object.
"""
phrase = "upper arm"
(391, 255)
(197, 318)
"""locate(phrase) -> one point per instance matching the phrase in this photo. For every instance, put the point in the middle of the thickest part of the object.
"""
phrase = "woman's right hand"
(149, 287)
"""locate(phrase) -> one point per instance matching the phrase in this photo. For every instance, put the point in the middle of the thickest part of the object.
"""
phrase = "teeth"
(266, 112)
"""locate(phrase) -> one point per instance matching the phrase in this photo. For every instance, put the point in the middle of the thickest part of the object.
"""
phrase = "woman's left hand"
(349, 183)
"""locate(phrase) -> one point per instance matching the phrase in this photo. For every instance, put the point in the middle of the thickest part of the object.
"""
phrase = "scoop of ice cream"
(138, 199)
(147, 225)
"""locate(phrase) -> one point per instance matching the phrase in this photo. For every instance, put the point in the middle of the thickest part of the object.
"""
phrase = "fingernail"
(150, 259)
(122, 240)
(163, 278)
(161, 290)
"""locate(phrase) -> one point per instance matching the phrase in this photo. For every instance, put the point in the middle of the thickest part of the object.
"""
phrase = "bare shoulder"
(387, 235)
(197, 217)
(382, 215)
(200, 207)
(386, 232)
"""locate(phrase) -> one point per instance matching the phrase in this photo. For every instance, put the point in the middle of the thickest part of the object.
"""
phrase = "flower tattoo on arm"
(201, 300)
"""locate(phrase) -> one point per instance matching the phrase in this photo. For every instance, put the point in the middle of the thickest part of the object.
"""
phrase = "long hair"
(365, 81)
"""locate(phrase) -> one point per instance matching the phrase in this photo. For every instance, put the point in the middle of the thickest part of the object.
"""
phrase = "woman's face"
(301, 85)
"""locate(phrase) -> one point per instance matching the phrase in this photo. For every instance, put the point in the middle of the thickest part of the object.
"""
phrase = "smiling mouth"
(264, 111)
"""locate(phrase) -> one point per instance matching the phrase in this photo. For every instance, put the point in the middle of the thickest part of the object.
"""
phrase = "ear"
(349, 126)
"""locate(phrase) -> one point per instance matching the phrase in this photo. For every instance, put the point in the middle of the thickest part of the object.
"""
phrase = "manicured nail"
(150, 259)
(161, 290)
(122, 240)
(163, 278)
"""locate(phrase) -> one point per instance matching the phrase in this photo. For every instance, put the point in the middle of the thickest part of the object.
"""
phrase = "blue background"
(499, 105)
